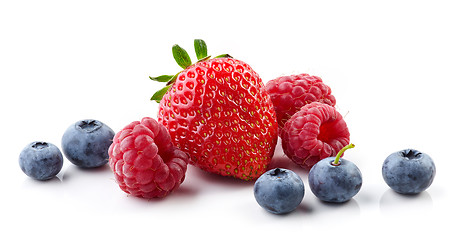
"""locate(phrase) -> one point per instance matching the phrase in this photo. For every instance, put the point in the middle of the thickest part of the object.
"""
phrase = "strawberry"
(218, 111)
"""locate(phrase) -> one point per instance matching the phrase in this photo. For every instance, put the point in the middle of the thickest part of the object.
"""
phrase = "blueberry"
(41, 160)
(86, 143)
(408, 171)
(335, 180)
(279, 190)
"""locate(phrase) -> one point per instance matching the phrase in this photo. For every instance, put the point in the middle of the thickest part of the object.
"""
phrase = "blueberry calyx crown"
(89, 125)
(40, 145)
(411, 154)
(277, 172)
(183, 60)
(336, 162)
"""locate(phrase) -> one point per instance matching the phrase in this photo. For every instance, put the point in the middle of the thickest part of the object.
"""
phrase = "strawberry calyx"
(183, 59)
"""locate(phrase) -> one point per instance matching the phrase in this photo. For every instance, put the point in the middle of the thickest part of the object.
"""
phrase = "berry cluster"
(337, 180)
(332, 179)
(85, 144)
(315, 136)
(217, 114)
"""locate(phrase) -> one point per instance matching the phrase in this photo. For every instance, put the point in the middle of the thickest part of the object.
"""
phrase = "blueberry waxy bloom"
(408, 171)
(86, 143)
(335, 179)
(279, 190)
(41, 160)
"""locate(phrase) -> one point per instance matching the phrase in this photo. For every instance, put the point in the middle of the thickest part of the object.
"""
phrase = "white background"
(395, 68)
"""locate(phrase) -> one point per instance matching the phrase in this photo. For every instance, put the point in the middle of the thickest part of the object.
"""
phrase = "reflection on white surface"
(30, 182)
(73, 171)
(348, 209)
(392, 202)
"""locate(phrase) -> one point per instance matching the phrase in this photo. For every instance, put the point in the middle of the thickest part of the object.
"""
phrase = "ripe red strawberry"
(290, 93)
(144, 161)
(315, 132)
(218, 111)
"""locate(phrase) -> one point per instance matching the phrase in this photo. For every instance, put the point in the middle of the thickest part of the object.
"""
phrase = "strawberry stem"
(336, 162)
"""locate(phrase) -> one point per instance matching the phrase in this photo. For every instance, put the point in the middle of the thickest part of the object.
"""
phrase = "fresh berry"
(335, 179)
(408, 171)
(218, 111)
(315, 132)
(290, 93)
(86, 142)
(41, 160)
(279, 191)
(144, 160)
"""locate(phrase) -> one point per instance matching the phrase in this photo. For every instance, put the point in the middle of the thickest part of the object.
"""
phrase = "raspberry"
(315, 132)
(144, 161)
(290, 93)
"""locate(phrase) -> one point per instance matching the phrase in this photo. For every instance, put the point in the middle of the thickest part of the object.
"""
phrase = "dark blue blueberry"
(279, 190)
(408, 171)
(86, 143)
(41, 160)
(335, 183)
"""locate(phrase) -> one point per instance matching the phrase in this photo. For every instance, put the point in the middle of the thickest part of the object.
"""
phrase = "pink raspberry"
(290, 93)
(315, 132)
(144, 161)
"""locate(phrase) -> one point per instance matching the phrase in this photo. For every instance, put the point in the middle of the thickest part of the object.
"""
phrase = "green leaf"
(173, 79)
(200, 49)
(160, 93)
(181, 56)
(162, 78)
(224, 56)
(204, 59)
